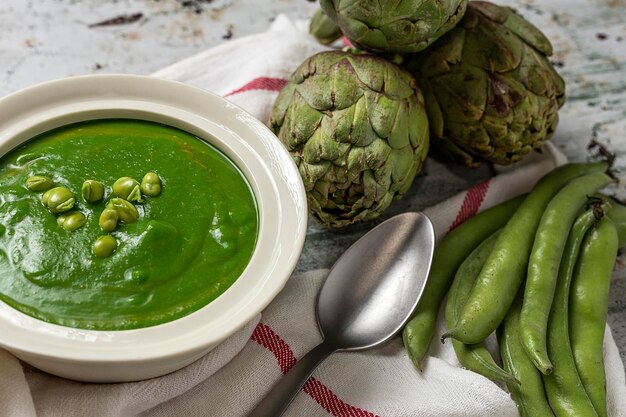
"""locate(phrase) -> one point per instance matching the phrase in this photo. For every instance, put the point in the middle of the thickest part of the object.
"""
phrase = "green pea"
(46, 197)
(126, 212)
(92, 191)
(108, 219)
(151, 184)
(39, 183)
(128, 189)
(71, 220)
(59, 199)
(104, 246)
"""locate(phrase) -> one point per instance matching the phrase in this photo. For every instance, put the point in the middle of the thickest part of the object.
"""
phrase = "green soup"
(188, 246)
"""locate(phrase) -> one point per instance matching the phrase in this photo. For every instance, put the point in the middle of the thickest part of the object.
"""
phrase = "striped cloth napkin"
(232, 378)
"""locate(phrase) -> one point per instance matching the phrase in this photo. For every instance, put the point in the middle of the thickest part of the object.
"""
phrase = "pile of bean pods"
(536, 270)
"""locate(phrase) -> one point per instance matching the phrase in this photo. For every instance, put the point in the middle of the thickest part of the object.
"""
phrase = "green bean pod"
(505, 270)
(530, 395)
(589, 298)
(476, 357)
(449, 254)
(566, 393)
(543, 265)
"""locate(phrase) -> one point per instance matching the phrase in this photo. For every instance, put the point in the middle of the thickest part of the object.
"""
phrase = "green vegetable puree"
(190, 243)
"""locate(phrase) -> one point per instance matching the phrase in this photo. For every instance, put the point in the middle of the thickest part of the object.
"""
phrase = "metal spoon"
(367, 298)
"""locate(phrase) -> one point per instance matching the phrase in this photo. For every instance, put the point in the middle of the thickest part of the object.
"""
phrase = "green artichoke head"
(357, 129)
(402, 26)
(323, 28)
(491, 93)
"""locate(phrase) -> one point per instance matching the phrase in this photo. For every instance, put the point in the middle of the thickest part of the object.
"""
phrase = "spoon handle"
(280, 396)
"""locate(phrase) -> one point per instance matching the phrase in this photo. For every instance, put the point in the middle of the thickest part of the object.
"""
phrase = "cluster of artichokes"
(475, 80)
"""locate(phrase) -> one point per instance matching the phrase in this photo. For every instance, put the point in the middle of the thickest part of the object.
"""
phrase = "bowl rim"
(264, 161)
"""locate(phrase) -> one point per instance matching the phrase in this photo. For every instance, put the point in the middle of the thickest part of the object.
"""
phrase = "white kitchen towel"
(231, 379)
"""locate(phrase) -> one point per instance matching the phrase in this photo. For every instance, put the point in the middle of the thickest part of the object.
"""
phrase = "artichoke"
(358, 131)
(394, 25)
(323, 28)
(491, 93)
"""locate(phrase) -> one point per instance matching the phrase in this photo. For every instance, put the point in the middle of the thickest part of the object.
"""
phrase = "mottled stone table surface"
(48, 39)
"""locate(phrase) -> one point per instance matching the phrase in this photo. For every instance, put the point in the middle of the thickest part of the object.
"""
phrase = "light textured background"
(48, 39)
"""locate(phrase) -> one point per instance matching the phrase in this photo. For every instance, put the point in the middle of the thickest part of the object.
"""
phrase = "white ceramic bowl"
(114, 356)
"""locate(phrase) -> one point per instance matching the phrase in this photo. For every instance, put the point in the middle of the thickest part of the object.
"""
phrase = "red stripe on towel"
(321, 394)
(330, 402)
(261, 83)
(266, 337)
(471, 203)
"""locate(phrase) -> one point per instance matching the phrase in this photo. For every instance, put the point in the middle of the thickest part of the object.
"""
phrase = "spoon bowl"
(375, 285)
(366, 299)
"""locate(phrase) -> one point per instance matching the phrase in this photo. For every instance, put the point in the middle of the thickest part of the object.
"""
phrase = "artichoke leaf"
(391, 80)
(363, 35)
(492, 47)
(433, 111)
(311, 173)
(279, 111)
(399, 135)
(404, 186)
(323, 92)
(382, 115)
(372, 190)
(300, 124)
(403, 29)
(377, 154)
(362, 133)
(497, 131)
(383, 176)
(357, 159)
(339, 123)
(472, 137)
(462, 93)
(528, 32)
(373, 80)
(539, 77)
(418, 136)
(402, 162)
(319, 147)
(504, 95)
(497, 14)
(338, 177)
(442, 57)
(322, 190)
